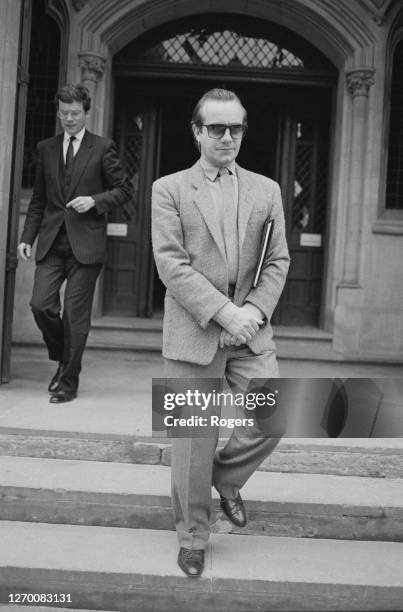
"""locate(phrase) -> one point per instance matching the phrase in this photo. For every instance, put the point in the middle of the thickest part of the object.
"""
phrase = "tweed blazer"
(98, 173)
(190, 257)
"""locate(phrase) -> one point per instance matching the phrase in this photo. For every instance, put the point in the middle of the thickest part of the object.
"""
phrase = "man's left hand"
(226, 339)
(81, 204)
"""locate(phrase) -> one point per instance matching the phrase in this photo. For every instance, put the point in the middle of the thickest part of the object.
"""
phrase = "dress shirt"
(225, 315)
(76, 142)
(211, 174)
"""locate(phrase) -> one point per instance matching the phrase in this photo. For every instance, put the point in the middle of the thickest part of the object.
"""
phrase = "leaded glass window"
(225, 48)
(227, 42)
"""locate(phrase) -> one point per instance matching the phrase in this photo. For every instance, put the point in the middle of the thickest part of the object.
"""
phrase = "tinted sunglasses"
(217, 130)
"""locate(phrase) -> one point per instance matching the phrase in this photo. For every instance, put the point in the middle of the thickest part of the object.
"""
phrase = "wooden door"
(127, 290)
(304, 182)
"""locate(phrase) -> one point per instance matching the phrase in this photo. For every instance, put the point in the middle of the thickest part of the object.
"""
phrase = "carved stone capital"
(78, 4)
(378, 9)
(92, 65)
(359, 81)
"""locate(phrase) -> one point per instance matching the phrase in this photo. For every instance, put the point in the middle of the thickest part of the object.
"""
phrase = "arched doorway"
(286, 86)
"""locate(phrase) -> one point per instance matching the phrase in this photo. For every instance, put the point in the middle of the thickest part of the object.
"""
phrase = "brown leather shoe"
(191, 562)
(60, 397)
(54, 383)
(234, 510)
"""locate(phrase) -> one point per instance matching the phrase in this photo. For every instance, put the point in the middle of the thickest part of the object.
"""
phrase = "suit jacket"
(191, 262)
(98, 173)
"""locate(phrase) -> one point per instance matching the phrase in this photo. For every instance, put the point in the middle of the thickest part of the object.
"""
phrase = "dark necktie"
(70, 153)
(229, 213)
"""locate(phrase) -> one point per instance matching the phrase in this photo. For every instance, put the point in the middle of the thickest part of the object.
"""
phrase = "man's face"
(222, 151)
(72, 116)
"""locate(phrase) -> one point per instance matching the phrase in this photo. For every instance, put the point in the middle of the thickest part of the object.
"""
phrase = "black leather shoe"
(191, 562)
(234, 510)
(59, 397)
(54, 383)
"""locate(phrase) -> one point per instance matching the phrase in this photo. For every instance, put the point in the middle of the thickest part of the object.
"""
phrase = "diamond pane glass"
(131, 158)
(222, 49)
(301, 212)
(223, 40)
(311, 180)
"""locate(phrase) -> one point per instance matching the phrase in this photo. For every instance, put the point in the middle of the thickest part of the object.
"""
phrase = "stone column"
(358, 83)
(349, 296)
(92, 69)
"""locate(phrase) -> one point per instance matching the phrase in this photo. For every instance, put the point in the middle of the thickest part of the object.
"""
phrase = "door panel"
(304, 181)
(129, 257)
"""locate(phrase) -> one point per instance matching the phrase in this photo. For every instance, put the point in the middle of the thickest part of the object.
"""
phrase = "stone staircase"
(146, 334)
(89, 516)
(136, 333)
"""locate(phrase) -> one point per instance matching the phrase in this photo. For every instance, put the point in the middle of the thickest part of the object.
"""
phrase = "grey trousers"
(196, 463)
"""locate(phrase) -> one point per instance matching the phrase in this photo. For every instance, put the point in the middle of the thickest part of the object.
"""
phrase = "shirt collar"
(211, 171)
(79, 136)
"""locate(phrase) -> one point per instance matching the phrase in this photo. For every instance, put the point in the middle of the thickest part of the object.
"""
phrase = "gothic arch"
(332, 27)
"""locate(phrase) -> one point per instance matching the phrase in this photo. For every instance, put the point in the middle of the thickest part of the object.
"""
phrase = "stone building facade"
(322, 81)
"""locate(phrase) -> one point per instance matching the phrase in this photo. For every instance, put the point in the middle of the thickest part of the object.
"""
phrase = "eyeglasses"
(73, 114)
(218, 130)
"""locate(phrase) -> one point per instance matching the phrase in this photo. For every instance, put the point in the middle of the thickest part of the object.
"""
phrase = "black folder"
(264, 247)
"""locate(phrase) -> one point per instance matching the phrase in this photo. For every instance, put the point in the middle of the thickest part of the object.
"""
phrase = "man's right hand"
(24, 251)
(244, 325)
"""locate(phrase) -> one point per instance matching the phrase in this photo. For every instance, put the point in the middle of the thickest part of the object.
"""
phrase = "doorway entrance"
(288, 100)
(286, 141)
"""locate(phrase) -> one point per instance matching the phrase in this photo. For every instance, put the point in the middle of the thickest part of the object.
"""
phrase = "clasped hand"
(243, 326)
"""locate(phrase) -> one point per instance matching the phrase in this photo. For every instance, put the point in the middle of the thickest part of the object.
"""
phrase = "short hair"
(74, 93)
(219, 95)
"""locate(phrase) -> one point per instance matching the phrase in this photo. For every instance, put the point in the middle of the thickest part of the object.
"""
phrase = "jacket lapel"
(246, 202)
(56, 152)
(80, 162)
(205, 204)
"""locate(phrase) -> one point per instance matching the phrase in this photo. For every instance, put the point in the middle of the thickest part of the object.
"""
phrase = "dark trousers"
(65, 336)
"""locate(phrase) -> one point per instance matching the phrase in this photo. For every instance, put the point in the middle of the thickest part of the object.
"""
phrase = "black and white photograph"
(201, 305)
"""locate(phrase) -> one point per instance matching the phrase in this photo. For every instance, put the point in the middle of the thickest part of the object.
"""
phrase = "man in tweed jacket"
(78, 179)
(215, 323)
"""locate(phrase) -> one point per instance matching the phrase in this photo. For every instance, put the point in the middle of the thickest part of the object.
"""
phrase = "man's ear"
(196, 130)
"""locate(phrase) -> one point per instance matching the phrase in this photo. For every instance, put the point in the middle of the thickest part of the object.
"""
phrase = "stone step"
(142, 334)
(128, 569)
(367, 457)
(138, 496)
(37, 608)
(146, 334)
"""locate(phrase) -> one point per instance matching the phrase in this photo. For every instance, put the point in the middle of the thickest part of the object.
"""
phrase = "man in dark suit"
(207, 226)
(78, 179)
